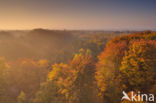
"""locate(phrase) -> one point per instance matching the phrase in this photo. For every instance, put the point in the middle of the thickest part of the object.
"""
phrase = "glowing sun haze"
(78, 14)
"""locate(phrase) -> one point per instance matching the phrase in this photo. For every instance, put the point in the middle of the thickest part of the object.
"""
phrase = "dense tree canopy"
(86, 71)
(127, 63)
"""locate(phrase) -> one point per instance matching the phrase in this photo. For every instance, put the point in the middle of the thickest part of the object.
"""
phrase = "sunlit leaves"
(138, 65)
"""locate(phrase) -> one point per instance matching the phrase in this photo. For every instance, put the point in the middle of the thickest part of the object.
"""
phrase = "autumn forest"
(61, 66)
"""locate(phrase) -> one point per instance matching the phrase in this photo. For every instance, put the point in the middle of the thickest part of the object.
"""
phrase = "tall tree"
(138, 66)
(81, 88)
(107, 70)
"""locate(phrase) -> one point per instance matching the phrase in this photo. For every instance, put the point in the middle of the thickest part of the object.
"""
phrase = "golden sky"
(77, 14)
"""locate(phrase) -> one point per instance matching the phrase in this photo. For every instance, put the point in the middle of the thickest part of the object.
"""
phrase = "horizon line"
(144, 29)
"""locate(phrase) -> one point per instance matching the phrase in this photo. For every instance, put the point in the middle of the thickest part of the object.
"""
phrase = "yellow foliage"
(57, 70)
(43, 62)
